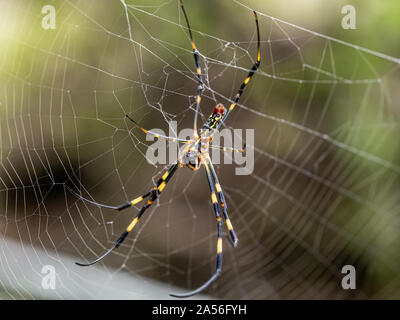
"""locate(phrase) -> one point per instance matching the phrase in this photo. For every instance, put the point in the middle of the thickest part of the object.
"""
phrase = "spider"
(194, 155)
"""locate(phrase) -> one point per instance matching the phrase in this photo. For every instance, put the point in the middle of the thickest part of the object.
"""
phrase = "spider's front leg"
(200, 87)
(247, 79)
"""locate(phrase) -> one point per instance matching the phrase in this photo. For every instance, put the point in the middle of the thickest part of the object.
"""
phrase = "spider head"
(219, 109)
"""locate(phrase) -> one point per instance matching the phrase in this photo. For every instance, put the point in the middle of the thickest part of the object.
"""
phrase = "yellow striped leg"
(212, 190)
(154, 194)
(217, 271)
(160, 185)
(133, 202)
(247, 80)
(219, 245)
(119, 208)
(156, 135)
(200, 88)
(221, 197)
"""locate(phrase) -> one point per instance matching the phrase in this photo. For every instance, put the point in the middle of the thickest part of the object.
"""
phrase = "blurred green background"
(325, 189)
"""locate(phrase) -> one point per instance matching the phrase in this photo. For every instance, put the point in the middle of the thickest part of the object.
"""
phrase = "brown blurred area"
(324, 191)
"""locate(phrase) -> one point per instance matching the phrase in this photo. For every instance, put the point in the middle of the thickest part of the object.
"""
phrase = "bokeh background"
(324, 106)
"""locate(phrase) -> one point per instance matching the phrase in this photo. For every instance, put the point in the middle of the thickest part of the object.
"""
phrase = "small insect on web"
(194, 155)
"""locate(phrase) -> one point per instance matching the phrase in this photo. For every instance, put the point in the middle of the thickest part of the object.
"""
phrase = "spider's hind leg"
(221, 197)
(219, 242)
(120, 207)
(154, 194)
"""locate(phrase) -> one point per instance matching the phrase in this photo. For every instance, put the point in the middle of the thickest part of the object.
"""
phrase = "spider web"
(325, 188)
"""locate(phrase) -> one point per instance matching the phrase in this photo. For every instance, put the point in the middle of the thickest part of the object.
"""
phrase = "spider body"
(194, 155)
(198, 151)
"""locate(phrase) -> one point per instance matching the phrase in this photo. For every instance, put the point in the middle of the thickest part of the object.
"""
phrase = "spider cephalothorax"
(194, 155)
(215, 118)
(197, 151)
(219, 110)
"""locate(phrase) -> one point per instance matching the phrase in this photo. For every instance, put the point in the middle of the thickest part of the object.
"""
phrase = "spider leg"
(119, 208)
(160, 185)
(213, 146)
(156, 135)
(200, 88)
(154, 194)
(246, 81)
(221, 197)
(219, 242)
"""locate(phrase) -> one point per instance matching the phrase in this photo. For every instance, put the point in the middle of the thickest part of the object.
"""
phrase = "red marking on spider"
(219, 108)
